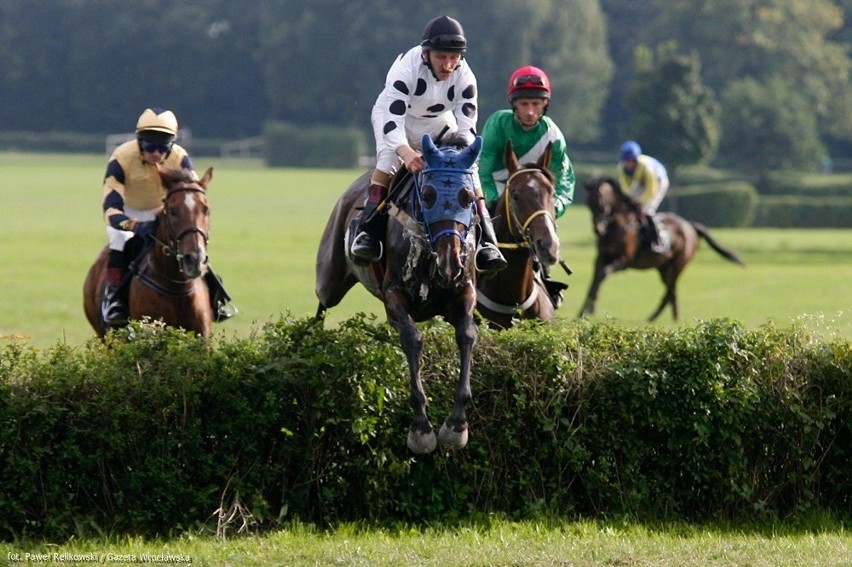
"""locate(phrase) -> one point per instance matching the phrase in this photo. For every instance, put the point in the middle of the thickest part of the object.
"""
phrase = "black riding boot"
(219, 298)
(113, 306)
(367, 244)
(489, 259)
(654, 234)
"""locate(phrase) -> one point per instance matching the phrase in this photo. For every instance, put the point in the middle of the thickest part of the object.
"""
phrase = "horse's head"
(602, 198)
(184, 227)
(609, 204)
(527, 203)
(447, 197)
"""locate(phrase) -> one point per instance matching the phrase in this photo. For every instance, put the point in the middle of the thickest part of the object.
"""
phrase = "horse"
(616, 219)
(166, 280)
(524, 223)
(427, 271)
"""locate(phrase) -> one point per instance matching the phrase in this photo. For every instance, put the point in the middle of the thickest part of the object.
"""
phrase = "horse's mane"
(623, 197)
(456, 141)
(173, 175)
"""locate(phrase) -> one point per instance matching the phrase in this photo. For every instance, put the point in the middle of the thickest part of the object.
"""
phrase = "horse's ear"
(509, 157)
(544, 160)
(427, 144)
(205, 179)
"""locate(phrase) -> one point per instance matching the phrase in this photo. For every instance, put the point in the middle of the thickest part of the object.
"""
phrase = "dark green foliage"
(152, 432)
(723, 204)
(798, 211)
(288, 145)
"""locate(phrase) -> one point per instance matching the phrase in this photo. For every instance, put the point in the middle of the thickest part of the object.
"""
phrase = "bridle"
(519, 229)
(172, 247)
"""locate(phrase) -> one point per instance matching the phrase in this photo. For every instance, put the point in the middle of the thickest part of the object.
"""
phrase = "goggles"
(528, 80)
(152, 147)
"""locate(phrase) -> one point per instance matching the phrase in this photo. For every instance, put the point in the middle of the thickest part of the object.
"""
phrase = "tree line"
(754, 84)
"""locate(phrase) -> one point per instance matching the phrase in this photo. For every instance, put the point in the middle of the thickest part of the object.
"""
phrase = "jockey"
(428, 89)
(133, 195)
(526, 125)
(645, 179)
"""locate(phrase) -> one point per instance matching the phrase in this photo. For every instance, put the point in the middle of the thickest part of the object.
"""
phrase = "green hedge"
(803, 212)
(290, 145)
(725, 204)
(151, 433)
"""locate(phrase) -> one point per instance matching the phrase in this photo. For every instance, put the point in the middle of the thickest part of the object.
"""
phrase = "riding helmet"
(444, 34)
(629, 150)
(157, 123)
(528, 82)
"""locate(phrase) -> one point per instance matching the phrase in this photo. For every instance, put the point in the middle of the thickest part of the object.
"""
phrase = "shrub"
(728, 204)
(288, 145)
(152, 433)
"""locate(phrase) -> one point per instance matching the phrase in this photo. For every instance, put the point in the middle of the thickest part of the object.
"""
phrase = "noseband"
(174, 239)
(517, 228)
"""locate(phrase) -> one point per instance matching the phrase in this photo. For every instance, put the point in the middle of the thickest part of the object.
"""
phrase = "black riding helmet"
(444, 34)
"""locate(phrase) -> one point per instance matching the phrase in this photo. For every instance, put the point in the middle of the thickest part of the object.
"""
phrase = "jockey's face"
(444, 63)
(629, 166)
(529, 111)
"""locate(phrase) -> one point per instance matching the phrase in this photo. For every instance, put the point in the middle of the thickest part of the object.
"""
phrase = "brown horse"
(616, 219)
(427, 271)
(167, 285)
(524, 223)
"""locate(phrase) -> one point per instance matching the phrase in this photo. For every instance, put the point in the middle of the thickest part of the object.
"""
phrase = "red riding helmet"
(528, 82)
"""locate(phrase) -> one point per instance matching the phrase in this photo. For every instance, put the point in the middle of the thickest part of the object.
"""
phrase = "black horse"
(427, 270)
(616, 219)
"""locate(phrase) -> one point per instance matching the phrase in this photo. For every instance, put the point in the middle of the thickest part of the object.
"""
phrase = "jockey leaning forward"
(429, 89)
(645, 179)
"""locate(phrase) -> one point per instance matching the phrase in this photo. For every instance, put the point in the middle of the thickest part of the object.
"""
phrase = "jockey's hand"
(412, 158)
(144, 228)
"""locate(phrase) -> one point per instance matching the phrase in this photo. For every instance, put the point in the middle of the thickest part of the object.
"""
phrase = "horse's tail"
(730, 255)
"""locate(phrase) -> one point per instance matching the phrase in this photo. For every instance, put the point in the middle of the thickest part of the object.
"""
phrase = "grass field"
(266, 224)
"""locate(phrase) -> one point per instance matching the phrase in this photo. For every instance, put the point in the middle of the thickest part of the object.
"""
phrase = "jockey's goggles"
(151, 147)
(527, 80)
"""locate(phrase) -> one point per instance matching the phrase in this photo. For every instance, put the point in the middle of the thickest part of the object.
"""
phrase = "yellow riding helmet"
(157, 120)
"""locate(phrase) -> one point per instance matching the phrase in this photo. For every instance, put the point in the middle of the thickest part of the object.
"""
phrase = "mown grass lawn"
(266, 226)
(485, 543)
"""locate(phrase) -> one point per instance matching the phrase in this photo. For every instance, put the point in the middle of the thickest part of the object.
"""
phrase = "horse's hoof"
(422, 443)
(452, 439)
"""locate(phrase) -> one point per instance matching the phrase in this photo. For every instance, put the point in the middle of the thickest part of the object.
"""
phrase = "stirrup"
(364, 248)
(224, 312)
(490, 258)
(113, 311)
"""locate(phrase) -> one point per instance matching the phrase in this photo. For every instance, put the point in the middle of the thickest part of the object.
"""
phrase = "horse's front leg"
(421, 434)
(454, 431)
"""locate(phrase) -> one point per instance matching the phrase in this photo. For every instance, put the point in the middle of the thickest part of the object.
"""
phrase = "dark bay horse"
(167, 284)
(524, 223)
(616, 222)
(427, 271)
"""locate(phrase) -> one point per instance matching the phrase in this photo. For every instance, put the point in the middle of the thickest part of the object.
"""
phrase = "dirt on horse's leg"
(421, 434)
(454, 431)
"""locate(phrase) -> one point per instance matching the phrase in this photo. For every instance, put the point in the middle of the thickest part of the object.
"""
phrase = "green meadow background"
(266, 224)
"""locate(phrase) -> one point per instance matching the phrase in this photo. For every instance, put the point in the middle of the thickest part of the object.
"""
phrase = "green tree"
(767, 127)
(673, 114)
(316, 71)
(784, 40)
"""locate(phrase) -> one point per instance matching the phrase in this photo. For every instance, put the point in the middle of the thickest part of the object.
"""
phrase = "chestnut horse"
(427, 271)
(616, 219)
(166, 284)
(524, 223)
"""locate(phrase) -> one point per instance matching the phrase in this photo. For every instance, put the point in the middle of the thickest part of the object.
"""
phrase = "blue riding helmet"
(629, 150)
